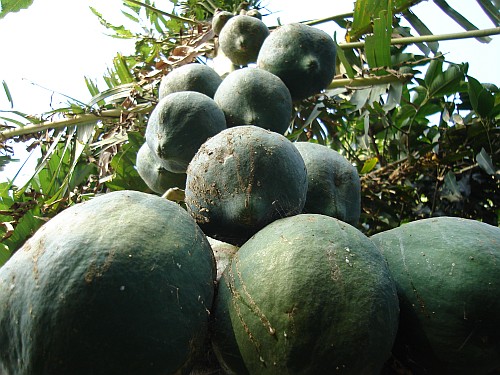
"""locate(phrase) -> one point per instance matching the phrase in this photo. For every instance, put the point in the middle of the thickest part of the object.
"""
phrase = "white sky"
(55, 43)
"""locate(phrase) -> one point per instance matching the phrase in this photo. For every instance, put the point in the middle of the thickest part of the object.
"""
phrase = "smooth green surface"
(242, 179)
(241, 39)
(121, 284)
(334, 188)
(179, 125)
(154, 174)
(190, 77)
(251, 96)
(308, 294)
(219, 20)
(302, 56)
(447, 272)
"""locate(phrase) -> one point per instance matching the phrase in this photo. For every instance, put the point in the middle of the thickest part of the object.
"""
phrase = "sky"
(50, 47)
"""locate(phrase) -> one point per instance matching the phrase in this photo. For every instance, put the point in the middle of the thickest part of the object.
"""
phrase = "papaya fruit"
(120, 284)
(190, 77)
(251, 96)
(242, 179)
(178, 126)
(302, 56)
(223, 252)
(219, 20)
(154, 174)
(241, 38)
(307, 294)
(334, 188)
(447, 276)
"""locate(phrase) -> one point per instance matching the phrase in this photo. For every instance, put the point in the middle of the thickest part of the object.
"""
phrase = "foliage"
(421, 131)
(8, 6)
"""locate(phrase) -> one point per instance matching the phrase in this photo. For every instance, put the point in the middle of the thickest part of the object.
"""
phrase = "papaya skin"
(334, 185)
(302, 56)
(121, 284)
(154, 173)
(190, 77)
(180, 123)
(257, 97)
(307, 294)
(241, 180)
(447, 276)
(241, 39)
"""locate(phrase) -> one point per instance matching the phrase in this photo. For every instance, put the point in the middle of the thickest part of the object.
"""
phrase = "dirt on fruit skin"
(242, 179)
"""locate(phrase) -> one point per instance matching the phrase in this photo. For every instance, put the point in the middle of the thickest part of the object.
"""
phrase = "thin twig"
(156, 10)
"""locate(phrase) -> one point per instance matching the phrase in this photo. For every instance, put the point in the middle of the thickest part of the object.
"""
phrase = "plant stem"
(430, 38)
(368, 81)
(180, 18)
(76, 120)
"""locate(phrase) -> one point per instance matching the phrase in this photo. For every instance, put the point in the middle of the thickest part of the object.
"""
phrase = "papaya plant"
(422, 132)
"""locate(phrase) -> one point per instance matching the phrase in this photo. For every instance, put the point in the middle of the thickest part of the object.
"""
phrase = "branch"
(369, 81)
(156, 10)
(430, 38)
(76, 120)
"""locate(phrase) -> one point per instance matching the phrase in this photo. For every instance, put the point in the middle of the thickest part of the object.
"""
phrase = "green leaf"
(122, 69)
(451, 190)
(459, 18)
(7, 92)
(4, 254)
(125, 175)
(120, 31)
(421, 29)
(345, 63)
(8, 6)
(482, 100)
(485, 162)
(433, 71)
(491, 11)
(446, 83)
(364, 11)
(368, 165)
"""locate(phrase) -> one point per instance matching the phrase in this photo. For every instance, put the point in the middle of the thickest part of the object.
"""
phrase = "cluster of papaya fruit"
(261, 269)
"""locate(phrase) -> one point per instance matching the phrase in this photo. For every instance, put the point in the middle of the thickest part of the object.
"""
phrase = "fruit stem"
(430, 38)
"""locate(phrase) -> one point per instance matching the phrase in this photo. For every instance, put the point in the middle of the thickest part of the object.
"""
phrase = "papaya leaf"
(378, 45)
(4, 254)
(451, 189)
(368, 165)
(481, 99)
(485, 162)
(7, 93)
(343, 60)
(9, 6)
(122, 70)
(125, 174)
(491, 11)
(421, 29)
(364, 10)
(120, 31)
(460, 19)
(434, 69)
(448, 82)
(24, 229)
(394, 96)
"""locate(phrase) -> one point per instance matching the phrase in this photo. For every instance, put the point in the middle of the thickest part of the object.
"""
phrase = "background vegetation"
(421, 131)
